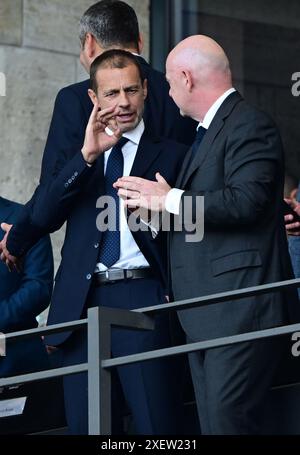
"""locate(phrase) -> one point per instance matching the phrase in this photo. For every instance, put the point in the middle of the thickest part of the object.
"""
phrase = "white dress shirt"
(130, 254)
(174, 195)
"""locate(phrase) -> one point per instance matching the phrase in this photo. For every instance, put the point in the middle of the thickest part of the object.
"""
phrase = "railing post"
(99, 379)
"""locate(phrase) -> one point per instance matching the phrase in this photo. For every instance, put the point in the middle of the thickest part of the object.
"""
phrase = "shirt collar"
(209, 116)
(135, 135)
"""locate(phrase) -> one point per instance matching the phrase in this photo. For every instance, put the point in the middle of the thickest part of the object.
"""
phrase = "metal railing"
(99, 323)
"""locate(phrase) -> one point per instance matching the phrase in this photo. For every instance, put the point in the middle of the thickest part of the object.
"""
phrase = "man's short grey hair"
(112, 23)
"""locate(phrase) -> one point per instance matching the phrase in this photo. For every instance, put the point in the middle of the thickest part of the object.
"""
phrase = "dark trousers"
(231, 384)
(149, 388)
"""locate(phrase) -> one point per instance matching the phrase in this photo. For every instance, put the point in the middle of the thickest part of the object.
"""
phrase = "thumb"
(118, 134)
(5, 227)
(159, 178)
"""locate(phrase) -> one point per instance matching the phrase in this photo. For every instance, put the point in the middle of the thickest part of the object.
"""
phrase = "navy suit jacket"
(67, 130)
(71, 195)
(22, 297)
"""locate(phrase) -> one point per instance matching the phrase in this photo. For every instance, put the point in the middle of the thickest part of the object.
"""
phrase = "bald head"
(203, 67)
(204, 58)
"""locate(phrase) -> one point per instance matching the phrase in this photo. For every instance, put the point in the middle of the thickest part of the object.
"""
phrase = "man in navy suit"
(105, 25)
(22, 297)
(116, 268)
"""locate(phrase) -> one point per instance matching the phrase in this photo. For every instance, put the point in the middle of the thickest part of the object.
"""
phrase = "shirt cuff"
(173, 200)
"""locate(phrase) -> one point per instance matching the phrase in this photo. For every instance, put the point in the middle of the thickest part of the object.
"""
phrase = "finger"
(118, 134)
(6, 227)
(4, 254)
(8, 265)
(139, 202)
(107, 113)
(292, 226)
(294, 233)
(160, 178)
(104, 119)
(132, 202)
(97, 126)
(93, 116)
(133, 186)
(112, 123)
(288, 218)
(130, 179)
(129, 194)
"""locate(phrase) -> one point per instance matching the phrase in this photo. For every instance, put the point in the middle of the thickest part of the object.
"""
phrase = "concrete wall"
(39, 50)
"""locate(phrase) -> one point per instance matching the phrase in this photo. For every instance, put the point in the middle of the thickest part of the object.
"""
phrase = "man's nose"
(124, 99)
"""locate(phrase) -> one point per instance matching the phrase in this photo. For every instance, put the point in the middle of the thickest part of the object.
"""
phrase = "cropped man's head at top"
(108, 24)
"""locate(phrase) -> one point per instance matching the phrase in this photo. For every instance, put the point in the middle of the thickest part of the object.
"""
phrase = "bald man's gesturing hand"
(138, 192)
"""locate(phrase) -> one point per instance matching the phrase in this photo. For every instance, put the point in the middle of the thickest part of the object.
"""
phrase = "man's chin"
(124, 127)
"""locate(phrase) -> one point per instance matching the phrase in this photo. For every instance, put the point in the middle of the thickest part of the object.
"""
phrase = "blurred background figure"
(292, 196)
(23, 296)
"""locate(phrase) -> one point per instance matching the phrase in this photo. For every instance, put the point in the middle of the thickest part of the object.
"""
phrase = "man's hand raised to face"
(97, 140)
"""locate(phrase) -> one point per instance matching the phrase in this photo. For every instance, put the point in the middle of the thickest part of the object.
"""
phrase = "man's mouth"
(127, 117)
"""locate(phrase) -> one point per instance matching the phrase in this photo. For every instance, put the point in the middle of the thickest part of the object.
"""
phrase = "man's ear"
(145, 88)
(187, 79)
(91, 46)
(93, 96)
(140, 43)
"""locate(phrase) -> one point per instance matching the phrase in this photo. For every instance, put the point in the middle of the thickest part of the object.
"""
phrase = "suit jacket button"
(66, 185)
(89, 276)
(96, 245)
(69, 181)
(76, 173)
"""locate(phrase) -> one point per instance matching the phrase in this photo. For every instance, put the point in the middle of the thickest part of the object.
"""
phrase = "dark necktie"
(199, 136)
(110, 245)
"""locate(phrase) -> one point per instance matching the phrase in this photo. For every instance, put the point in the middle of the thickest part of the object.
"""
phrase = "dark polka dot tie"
(110, 245)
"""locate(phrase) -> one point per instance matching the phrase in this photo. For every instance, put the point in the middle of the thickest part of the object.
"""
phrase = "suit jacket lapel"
(217, 124)
(147, 152)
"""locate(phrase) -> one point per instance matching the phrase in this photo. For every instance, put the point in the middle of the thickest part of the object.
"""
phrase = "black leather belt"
(113, 275)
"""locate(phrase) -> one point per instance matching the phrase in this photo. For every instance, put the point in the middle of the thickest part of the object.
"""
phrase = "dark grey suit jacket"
(239, 170)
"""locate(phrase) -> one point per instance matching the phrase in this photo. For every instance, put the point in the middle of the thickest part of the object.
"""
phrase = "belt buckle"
(128, 274)
(114, 275)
